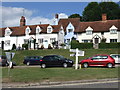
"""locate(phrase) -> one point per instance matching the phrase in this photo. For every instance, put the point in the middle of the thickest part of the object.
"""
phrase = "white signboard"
(72, 50)
(77, 53)
(81, 53)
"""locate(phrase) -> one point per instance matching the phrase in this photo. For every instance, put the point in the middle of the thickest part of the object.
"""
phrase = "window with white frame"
(27, 31)
(70, 30)
(49, 29)
(38, 29)
(113, 40)
(7, 31)
(40, 40)
(89, 32)
(113, 31)
(86, 41)
(7, 43)
(52, 40)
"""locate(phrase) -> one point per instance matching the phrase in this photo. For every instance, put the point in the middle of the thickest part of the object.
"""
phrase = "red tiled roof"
(64, 22)
(99, 26)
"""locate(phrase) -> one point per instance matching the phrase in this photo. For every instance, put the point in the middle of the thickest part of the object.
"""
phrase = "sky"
(36, 12)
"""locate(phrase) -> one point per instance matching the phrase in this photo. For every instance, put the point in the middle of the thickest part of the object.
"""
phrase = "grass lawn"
(19, 55)
(36, 74)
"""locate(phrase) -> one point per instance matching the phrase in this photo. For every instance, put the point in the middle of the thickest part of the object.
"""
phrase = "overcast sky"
(36, 12)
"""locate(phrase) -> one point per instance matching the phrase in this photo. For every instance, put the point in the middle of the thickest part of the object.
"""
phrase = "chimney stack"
(104, 17)
(22, 21)
(56, 16)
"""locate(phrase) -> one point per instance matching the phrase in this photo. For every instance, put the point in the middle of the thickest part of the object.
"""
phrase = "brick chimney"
(104, 17)
(56, 16)
(22, 21)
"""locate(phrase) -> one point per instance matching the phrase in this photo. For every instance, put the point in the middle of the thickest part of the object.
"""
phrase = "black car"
(4, 62)
(32, 60)
(55, 60)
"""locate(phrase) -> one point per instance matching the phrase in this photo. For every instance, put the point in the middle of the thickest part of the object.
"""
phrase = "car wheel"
(109, 65)
(85, 65)
(65, 65)
(43, 66)
(28, 63)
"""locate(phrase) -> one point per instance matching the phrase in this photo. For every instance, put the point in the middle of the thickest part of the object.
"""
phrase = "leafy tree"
(94, 10)
(111, 9)
(75, 16)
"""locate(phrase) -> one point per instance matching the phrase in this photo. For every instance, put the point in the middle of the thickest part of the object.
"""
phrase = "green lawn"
(36, 74)
(19, 55)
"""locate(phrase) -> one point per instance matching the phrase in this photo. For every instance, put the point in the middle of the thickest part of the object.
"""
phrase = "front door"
(96, 40)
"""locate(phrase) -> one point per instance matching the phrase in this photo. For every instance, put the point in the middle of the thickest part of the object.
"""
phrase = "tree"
(94, 10)
(111, 9)
(74, 16)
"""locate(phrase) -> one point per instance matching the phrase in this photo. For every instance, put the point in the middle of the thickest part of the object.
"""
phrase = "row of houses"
(62, 32)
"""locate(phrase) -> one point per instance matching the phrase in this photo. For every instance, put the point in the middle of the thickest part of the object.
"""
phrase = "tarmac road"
(95, 83)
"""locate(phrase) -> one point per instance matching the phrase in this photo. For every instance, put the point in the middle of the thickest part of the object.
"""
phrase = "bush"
(109, 45)
(42, 47)
(13, 47)
(25, 46)
(49, 46)
(75, 44)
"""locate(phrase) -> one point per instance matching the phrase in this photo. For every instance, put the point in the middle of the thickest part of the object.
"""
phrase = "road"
(106, 84)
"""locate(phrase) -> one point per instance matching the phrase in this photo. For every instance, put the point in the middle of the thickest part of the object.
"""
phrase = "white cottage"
(62, 32)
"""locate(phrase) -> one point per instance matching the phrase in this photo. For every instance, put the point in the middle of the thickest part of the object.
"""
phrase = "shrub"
(42, 47)
(109, 45)
(13, 47)
(49, 46)
(25, 46)
(76, 44)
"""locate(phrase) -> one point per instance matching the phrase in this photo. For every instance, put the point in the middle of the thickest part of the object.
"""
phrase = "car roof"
(51, 55)
(114, 54)
(102, 55)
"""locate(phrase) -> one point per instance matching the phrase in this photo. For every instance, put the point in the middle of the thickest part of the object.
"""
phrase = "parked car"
(116, 57)
(55, 60)
(32, 60)
(4, 62)
(98, 60)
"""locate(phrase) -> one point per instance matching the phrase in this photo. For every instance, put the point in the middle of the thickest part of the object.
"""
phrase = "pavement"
(46, 83)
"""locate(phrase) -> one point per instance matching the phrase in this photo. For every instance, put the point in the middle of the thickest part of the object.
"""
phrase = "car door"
(95, 61)
(36, 60)
(57, 61)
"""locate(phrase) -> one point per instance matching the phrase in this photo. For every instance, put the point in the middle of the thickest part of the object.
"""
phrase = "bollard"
(80, 66)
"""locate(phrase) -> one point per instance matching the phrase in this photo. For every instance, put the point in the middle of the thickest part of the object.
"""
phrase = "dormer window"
(7, 32)
(38, 29)
(49, 29)
(27, 31)
(113, 30)
(89, 31)
(70, 30)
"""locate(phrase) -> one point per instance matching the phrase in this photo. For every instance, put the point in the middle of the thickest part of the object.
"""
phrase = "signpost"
(76, 53)
(9, 56)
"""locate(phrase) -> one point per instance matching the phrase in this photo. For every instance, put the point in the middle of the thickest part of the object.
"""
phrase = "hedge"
(75, 44)
(109, 45)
